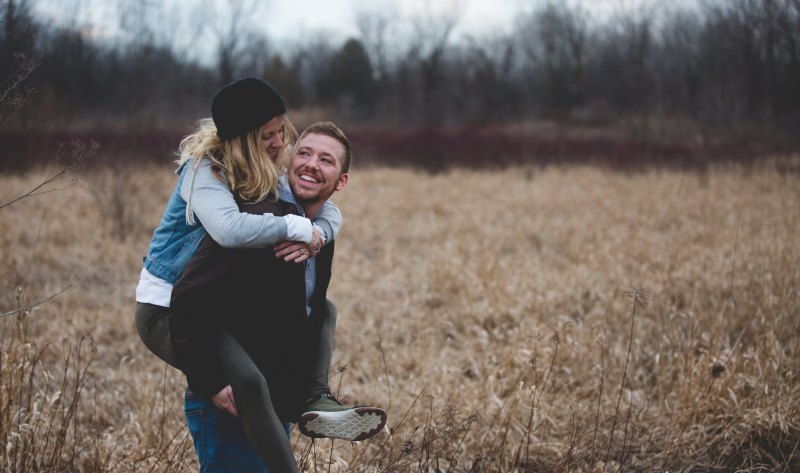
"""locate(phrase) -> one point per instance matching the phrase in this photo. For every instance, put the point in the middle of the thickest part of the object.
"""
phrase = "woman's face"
(272, 136)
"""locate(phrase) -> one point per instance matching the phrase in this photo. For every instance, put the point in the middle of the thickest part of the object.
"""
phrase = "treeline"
(716, 67)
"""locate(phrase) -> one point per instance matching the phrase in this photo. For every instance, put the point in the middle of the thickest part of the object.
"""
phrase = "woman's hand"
(224, 401)
(317, 241)
(298, 251)
(292, 251)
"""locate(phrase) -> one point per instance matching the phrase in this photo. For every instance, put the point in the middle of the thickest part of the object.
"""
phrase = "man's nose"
(313, 162)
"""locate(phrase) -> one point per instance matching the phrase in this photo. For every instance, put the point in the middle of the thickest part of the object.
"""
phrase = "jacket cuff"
(298, 228)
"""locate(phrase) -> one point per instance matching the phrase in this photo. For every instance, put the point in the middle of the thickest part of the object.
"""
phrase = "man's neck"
(311, 209)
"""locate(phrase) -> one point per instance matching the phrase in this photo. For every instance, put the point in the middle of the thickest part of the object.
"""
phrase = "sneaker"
(326, 418)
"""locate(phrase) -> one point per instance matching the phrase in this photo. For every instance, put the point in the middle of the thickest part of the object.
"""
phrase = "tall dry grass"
(556, 319)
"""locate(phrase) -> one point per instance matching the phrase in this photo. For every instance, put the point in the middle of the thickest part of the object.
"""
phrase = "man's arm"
(329, 220)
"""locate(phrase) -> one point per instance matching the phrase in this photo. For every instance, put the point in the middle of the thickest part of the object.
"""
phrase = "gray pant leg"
(152, 323)
(322, 361)
(251, 395)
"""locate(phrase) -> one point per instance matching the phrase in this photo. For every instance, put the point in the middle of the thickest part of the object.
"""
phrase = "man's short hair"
(330, 129)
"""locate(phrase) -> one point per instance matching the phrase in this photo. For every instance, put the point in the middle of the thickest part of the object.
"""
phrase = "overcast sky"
(476, 17)
(289, 20)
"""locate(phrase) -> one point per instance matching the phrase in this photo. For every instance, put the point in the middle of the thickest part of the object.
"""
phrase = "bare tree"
(554, 41)
(13, 93)
(74, 15)
(350, 81)
(427, 51)
(232, 23)
(486, 80)
(376, 26)
(18, 58)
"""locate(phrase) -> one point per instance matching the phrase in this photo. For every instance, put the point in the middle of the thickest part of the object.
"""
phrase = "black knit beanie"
(244, 105)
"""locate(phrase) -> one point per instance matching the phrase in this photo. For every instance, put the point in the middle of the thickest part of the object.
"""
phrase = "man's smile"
(308, 178)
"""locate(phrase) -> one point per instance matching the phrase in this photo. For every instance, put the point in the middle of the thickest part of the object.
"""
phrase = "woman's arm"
(214, 205)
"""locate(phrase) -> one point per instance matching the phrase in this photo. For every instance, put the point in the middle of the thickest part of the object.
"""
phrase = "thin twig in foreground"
(38, 303)
(32, 193)
(396, 427)
(637, 297)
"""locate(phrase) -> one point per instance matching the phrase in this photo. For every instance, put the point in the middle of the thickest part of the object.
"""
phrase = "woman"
(236, 156)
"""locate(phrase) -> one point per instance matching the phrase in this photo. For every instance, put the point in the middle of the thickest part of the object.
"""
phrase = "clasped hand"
(294, 251)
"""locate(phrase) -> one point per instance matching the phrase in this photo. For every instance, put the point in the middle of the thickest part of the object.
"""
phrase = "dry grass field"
(550, 319)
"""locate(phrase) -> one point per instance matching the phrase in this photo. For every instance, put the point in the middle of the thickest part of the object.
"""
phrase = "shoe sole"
(355, 424)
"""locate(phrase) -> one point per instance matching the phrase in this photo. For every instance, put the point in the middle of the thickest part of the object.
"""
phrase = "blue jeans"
(219, 439)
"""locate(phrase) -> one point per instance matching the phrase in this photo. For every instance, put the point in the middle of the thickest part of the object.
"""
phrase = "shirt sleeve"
(329, 219)
(214, 205)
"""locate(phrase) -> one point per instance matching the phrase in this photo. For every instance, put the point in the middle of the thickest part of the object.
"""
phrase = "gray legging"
(250, 390)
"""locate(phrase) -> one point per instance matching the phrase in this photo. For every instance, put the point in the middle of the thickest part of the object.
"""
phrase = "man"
(275, 340)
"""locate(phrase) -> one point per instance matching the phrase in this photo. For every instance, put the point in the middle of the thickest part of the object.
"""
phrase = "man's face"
(272, 136)
(316, 172)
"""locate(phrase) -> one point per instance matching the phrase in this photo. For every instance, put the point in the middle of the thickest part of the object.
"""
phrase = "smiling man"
(276, 328)
(320, 166)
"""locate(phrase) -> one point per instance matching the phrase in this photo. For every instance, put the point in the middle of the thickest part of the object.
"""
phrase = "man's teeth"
(308, 178)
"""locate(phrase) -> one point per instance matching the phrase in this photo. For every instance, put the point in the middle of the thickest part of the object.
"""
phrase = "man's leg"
(219, 439)
(324, 417)
(321, 365)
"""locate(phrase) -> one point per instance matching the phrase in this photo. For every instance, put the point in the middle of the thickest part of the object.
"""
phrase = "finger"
(229, 393)
(296, 256)
(283, 252)
(300, 258)
(228, 404)
(285, 247)
(284, 244)
(231, 409)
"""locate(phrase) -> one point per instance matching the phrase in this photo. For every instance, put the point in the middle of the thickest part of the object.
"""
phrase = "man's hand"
(292, 251)
(224, 401)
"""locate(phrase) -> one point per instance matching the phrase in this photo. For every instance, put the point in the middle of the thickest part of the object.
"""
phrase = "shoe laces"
(325, 395)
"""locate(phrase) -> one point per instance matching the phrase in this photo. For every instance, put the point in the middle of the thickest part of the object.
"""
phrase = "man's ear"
(342, 182)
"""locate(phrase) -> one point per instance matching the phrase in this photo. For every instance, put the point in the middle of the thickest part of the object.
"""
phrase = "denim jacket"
(174, 241)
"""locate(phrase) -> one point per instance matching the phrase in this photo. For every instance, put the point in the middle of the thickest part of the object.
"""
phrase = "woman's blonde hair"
(242, 162)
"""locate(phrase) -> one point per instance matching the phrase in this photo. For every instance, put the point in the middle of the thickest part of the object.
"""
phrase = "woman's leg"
(251, 393)
(152, 323)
